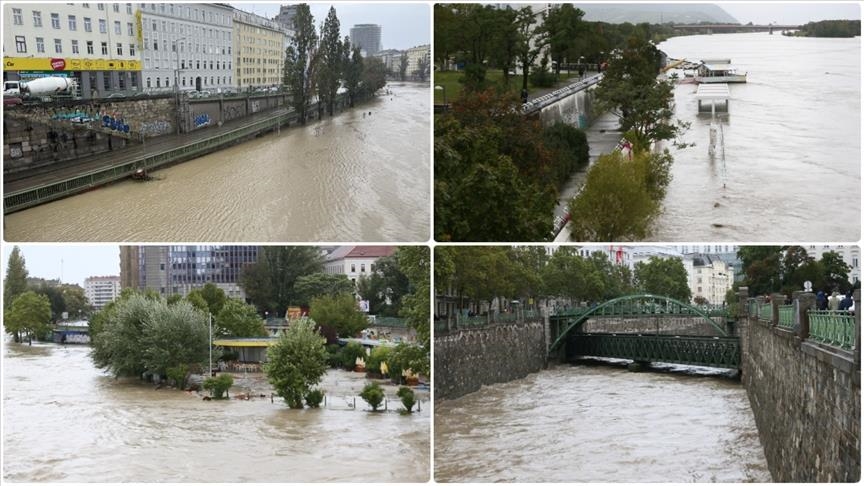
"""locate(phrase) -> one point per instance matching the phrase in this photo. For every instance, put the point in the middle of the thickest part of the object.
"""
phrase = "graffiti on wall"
(155, 128)
(201, 120)
(232, 112)
(115, 123)
(255, 106)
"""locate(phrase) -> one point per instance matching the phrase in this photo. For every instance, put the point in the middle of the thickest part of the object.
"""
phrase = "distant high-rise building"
(367, 37)
(286, 15)
(100, 291)
(179, 269)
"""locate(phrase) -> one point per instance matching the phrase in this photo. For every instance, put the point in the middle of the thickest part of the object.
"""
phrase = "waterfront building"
(181, 268)
(355, 261)
(96, 44)
(187, 45)
(391, 59)
(367, 37)
(850, 254)
(259, 50)
(100, 291)
(709, 277)
(415, 56)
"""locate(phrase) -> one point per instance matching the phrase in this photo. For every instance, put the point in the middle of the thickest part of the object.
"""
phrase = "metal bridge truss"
(720, 352)
(631, 306)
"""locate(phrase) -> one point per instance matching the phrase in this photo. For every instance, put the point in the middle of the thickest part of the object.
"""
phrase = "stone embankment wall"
(807, 402)
(576, 109)
(468, 359)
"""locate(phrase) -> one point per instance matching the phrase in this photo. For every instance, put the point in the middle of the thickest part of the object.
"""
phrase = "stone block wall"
(807, 403)
(469, 359)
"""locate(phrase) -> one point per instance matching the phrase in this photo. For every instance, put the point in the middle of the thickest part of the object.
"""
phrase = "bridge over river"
(800, 367)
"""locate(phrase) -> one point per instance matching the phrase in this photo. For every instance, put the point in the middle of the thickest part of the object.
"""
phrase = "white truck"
(39, 88)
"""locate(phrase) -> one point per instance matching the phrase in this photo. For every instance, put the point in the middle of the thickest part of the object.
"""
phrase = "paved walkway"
(64, 170)
(603, 136)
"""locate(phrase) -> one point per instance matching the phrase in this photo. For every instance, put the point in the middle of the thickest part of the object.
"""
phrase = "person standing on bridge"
(834, 302)
(821, 301)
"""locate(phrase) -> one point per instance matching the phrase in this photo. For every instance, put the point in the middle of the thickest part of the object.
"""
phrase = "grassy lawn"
(449, 80)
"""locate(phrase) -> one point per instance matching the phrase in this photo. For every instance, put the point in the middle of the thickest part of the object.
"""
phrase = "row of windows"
(72, 20)
(205, 49)
(183, 29)
(21, 46)
(189, 13)
(172, 64)
(214, 81)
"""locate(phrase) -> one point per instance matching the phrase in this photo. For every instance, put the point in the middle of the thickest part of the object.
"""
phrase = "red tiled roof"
(371, 251)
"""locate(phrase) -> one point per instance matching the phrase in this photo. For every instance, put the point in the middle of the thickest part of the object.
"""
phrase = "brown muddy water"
(66, 421)
(352, 177)
(601, 423)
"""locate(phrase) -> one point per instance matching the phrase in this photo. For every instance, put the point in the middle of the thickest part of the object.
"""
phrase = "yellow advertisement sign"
(68, 64)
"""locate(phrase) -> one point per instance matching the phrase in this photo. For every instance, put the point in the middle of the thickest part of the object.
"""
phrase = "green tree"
(615, 203)
(403, 66)
(415, 263)
(531, 39)
(15, 283)
(762, 268)
(299, 61)
(373, 394)
(317, 284)
(330, 58)
(663, 276)
(29, 315)
(197, 300)
(270, 282)
(239, 319)
(373, 76)
(297, 362)
(386, 283)
(339, 312)
(118, 345)
(630, 88)
(835, 271)
(563, 26)
(352, 69)
(422, 70)
(218, 385)
(75, 300)
(213, 296)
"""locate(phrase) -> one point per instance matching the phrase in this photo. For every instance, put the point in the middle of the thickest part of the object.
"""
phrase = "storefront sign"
(61, 64)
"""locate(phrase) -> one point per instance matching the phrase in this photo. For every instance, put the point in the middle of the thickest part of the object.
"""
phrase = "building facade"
(417, 55)
(188, 45)
(96, 44)
(286, 15)
(850, 254)
(367, 37)
(101, 291)
(259, 50)
(355, 261)
(181, 268)
(709, 277)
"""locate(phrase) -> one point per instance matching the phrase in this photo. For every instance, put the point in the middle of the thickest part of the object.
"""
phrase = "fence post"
(776, 301)
(743, 296)
(805, 301)
(857, 300)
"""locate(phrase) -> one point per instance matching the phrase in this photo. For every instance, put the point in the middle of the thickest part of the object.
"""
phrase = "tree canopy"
(270, 283)
(663, 276)
(297, 362)
(29, 315)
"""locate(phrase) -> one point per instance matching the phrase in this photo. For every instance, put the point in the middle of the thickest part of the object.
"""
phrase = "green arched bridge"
(646, 328)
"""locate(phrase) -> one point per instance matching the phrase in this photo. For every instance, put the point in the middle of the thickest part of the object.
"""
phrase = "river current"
(64, 420)
(792, 168)
(352, 177)
(601, 423)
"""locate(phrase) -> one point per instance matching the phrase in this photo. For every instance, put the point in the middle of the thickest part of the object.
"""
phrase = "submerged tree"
(29, 315)
(299, 61)
(331, 61)
(297, 362)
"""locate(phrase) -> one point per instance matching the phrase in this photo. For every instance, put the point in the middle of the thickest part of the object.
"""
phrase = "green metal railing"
(833, 328)
(786, 316)
(766, 312)
(753, 308)
(390, 322)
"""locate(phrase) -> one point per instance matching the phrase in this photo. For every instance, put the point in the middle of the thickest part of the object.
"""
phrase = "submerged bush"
(314, 398)
(373, 394)
(407, 396)
(218, 385)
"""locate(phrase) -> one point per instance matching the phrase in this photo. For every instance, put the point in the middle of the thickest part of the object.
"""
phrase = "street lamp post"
(210, 360)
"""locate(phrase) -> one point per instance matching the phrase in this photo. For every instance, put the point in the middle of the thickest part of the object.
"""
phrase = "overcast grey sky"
(790, 13)
(78, 262)
(403, 25)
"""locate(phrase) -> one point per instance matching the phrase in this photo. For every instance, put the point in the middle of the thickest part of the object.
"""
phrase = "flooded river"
(63, 420)
(792, 168)
(353, 177)
(600, 423)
